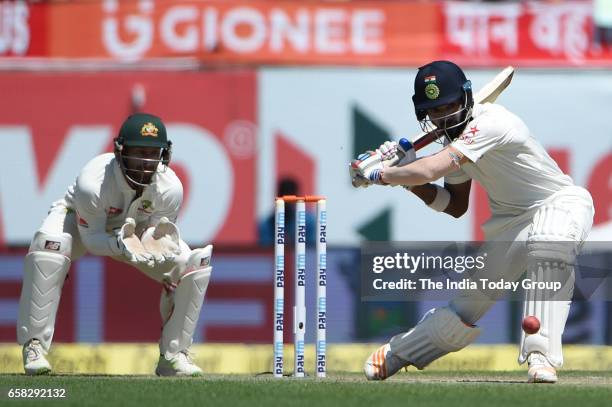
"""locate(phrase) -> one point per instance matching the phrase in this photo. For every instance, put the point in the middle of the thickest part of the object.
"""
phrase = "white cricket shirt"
(514, 169)
(103, 200)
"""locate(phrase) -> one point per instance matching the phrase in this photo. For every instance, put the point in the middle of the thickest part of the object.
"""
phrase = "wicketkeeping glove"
(131, 246)
(162, 241)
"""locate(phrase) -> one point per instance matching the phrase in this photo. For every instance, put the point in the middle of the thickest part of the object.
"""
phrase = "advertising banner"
(374, 33)
(52, 124)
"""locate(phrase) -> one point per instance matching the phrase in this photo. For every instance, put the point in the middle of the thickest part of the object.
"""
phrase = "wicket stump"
(299, 309)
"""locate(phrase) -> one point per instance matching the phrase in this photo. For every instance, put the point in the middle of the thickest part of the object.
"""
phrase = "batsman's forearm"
(407, 175)
(100, 243)
(418, 172)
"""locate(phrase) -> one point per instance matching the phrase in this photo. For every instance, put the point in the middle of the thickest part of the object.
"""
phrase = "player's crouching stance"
(536, 210)
(122, 205)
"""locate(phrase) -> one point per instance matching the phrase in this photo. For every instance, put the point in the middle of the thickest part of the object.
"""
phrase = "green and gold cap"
(143, 130)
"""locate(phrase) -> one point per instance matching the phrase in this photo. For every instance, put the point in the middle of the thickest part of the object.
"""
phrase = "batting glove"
(369, 166)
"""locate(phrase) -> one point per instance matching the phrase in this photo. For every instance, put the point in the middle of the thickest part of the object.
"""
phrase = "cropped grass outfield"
(420, 389)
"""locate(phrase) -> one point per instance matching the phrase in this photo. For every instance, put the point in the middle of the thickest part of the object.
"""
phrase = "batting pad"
(550, 311)
(45, 270)
(177, 333)
(439, 332)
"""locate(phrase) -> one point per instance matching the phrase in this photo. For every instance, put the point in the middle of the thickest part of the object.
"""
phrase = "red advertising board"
(53, 123)
(211, 31)
(532, 33)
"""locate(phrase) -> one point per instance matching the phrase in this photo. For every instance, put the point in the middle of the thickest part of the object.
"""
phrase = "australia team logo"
(149, 129)
(146, 206)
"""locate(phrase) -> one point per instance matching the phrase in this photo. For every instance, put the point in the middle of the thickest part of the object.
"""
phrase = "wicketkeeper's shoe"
(540, 369)
(179, 365)
(382, 364)
(34, 361)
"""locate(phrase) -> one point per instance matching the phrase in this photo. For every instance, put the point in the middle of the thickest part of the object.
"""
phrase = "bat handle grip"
(405, 144)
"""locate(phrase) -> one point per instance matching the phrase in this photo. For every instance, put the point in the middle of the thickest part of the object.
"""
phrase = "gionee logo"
(186, 28)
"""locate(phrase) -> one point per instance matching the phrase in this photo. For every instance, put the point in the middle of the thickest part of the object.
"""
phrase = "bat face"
(494, 88)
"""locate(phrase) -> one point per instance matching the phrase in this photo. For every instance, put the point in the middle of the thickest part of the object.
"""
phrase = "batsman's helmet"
(439, 83)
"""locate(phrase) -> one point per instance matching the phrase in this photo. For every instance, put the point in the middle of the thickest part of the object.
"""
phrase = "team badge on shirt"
(149, 129)
(432, 91)
(146, 206)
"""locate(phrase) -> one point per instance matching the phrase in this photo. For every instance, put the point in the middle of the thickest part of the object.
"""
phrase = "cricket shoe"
(383, 364)
(540, 369)
(179, 365)
(34, 361)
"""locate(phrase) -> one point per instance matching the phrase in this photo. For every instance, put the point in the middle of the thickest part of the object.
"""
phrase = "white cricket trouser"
(508, 246)
(45, 272)
(567, 216)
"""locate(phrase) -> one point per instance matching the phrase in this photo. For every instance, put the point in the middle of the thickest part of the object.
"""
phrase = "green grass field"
(412, 388)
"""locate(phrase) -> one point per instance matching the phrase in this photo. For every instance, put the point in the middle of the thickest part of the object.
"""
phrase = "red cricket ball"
(531, 325)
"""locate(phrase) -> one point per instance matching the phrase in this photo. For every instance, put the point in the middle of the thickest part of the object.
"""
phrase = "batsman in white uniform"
(538, 215)
(123, 205)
